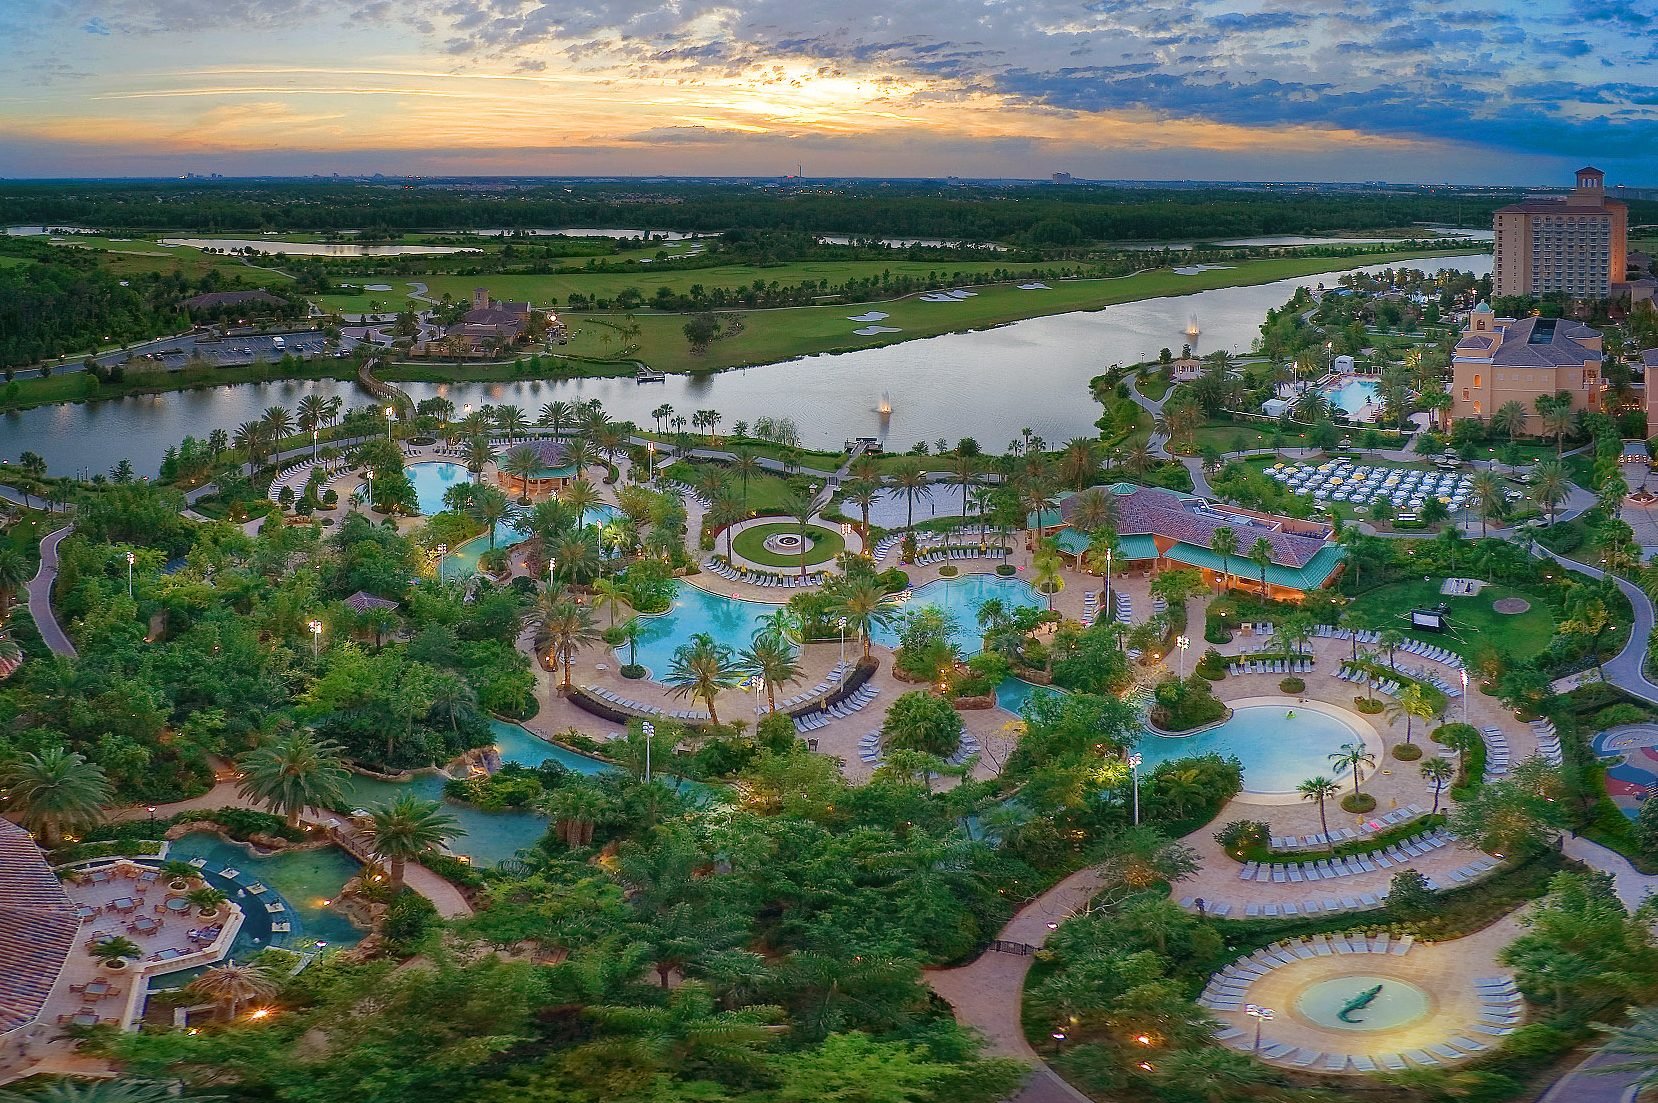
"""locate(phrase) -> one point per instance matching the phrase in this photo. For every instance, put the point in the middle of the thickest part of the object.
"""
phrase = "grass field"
(1473, 620)
(750, 544)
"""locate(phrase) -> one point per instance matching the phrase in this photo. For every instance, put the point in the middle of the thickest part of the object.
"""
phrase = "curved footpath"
(40, 595)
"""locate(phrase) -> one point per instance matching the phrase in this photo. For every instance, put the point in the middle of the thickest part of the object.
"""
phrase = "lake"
(308, 248)
(988, 384)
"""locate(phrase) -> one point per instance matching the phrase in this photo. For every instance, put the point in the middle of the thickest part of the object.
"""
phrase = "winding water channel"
(988, 384)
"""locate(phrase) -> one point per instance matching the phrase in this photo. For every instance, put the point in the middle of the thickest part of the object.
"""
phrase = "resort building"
(1158, 529)
(1574, 245)
(492, 323)
(1501, 360)
(38, 930)
(554, 474)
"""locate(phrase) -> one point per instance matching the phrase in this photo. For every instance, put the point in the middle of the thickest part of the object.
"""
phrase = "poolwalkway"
(40, 595)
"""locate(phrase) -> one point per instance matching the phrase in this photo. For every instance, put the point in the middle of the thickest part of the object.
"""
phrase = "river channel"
(988, 384)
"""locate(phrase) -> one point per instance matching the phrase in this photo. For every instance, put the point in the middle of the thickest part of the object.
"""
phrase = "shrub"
(408, 918)
(776, 732)
(1184, 705)
(1410, 897)
(949, 570)
(1007, 571)
(1212, 666)
(1613, 716)
(1358, 805)
(1367, 706)
(1407, 752)
(1293, 685)
(919, 721)
(1241, 834)
(633, 671)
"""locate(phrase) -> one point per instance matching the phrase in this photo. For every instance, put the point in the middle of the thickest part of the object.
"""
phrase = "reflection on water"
(988, 385)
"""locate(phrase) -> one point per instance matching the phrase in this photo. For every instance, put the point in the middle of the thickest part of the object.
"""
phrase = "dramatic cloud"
(1411, 89)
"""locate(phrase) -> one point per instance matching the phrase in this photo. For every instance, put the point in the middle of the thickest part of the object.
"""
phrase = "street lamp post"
(650, 734)
(316, 638)
(388, 424)
(1260, 1015)
(1134, 761)
(1108, 606)
(1464, 673)
(313, 445)
(843, 643)
(130, 559)
(1183, 642)
(152, 815)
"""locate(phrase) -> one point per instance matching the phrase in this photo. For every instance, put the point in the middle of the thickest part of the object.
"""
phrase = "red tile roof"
(1149, 511)
(37, 928)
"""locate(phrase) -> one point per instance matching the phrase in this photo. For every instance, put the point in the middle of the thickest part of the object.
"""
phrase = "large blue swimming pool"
(731, 621)
(432, 479)
(1280, 746)
(962, 597)
(1356, 395)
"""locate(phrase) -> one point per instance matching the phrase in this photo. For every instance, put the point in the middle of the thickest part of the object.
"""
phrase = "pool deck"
(1393, 784)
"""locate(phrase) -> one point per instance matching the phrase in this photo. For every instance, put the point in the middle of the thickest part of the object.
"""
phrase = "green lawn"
(1473, 620)
(1152, 384)
(750, 544)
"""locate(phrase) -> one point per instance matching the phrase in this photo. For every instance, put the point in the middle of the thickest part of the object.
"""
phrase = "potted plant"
(180, 874)
(207, 900)
(116, 953)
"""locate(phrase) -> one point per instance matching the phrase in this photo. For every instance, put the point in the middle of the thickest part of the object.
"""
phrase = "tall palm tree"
(1488, 497)
(1438, 771)
(909, 479)
(1510, 419)
(581, 496)
(230, 985)
(577, 556)
(278, 421)
(689, 1030)
(1390, 640)
(863, 493)
(608, 594)
(1354, 756)
(866, 605)
(404, 830)
(252, 437)
(724, 514)
(510, 421)
(53, 791)
(575, 810)
(522, 464)
(555, 414)
(566, 629)
(799, 505)
(14, 574)
(489, 507)
(1412, 704)
(294, 773)
(702, 668)
(1224, 543)
(1260, 553)
(454, 697)
(1079, 462)
(476, 454)
(745, 462)
(773, 662)
(1320, 789)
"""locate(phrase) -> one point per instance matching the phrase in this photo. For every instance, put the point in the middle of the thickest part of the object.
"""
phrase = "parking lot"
(224, 352)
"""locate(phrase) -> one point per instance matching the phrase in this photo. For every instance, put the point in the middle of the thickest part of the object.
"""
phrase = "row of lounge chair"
(1548, 741)
(296, 475)
(689, 716)
(1344, 834)
(852, 703)
(1270, 666)
(830, 681)
(1399, 854)
(764, 578)
(1387, 687)
(927, 559)
(870, 753)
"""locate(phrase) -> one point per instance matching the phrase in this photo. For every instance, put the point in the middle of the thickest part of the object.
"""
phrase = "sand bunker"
(870, 316)
(871, 331)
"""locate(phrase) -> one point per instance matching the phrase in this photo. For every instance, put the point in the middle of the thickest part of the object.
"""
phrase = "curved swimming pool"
(1280, 745)
(961, 597)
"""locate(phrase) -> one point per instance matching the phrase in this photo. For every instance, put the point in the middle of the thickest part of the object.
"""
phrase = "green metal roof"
(1140, 546)
(1315, 574)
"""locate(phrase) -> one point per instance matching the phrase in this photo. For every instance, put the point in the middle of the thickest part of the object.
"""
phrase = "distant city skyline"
(1415, 91)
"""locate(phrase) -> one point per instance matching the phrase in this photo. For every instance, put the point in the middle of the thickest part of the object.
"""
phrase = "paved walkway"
(40, 595)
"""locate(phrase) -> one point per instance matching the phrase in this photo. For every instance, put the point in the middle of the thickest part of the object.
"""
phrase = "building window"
(1476, 380)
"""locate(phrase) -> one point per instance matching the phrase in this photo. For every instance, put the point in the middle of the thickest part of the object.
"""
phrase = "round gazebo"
(554, 473)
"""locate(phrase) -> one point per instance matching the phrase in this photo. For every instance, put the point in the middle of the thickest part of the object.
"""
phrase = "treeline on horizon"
(1038, 213)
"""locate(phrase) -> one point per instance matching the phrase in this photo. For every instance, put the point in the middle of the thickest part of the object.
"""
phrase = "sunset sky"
(1155, 89)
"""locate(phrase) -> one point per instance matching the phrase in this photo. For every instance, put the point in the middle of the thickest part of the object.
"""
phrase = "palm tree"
(1510, 419)
(454, 697)
(1488, 497)
(908, 478)
(632, 632)
(689, 1030)
(555, 414)
(702, 668)
(510, 421)
(575, 810)
(116, 949)
(522, 464)
(1079, 462)
(1224, 543)
(293, 773)
(577, 556)
(1438, 771)
(1558, 417)
(771, 660)
(1354, 756)
(608, 594)
(1390, 640)
(1551, 485)
(863, 493)
(476, 454)
(405, 829)
(566, 629)
(866, 605)
(489, 507)
(1320, 789)
(1260, 553)
(278, 422)
(744, 463)
(14, 574)
(662, 411)
(581, 496)
(230, 985)
(799, 505)
(1412, 704)
(53, 791)
(252, 438)
(725, 512)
